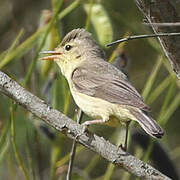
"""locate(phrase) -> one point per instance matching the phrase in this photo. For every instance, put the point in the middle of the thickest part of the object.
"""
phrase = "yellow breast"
(95, 107)
(101, 109)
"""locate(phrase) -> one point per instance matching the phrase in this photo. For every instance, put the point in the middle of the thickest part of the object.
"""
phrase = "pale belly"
(97, 108)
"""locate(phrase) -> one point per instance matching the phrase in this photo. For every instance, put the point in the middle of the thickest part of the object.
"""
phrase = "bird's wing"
(108, 87)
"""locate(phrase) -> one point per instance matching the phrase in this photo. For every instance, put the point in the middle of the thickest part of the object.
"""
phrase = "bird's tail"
(148, 124)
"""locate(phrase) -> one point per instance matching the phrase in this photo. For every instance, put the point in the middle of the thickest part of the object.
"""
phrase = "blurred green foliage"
(28, 27)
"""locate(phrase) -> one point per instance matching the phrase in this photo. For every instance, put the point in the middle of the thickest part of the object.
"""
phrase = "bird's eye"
(68, 47)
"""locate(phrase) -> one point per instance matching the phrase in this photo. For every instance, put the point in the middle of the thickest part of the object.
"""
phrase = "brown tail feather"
(148, 124)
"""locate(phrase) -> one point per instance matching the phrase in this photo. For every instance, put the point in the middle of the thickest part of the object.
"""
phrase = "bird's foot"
(85, 126)
(124, 148)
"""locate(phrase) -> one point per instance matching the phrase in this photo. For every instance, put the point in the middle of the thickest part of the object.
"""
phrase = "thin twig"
(162, 24)
(71, 129)
(13, 139)
(73, 150)
(159, 12)
(141, 37)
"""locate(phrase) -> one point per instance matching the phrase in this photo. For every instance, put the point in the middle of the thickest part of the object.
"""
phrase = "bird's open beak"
(54, 55)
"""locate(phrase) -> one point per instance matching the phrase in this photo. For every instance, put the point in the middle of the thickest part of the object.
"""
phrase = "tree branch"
(71, 129)
(73, 149)
(158, 11)
(142, 37)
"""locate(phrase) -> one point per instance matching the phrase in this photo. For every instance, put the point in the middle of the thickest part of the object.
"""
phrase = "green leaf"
(6, 54)
(152, 77)
(170, 110)
(101, 22)
(159, 89)
(4, 139)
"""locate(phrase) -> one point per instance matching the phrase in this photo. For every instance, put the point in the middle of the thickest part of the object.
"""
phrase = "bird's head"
(76, 47)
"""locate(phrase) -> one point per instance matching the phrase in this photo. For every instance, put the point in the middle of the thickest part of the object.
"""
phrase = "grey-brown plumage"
(86, 41)
(99, 88)
(104, 81)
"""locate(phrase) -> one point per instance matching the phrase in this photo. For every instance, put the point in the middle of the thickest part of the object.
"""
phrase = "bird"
(99, 89)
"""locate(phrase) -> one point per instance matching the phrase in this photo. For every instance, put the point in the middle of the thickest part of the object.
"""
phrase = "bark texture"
(164, 11)
(71, 129)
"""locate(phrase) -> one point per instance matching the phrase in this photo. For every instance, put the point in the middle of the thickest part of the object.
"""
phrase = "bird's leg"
(124, 148)
(126, 137)
(88, 123)
(97, 121)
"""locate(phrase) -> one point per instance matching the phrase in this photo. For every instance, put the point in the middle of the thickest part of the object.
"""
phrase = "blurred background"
(29, 149)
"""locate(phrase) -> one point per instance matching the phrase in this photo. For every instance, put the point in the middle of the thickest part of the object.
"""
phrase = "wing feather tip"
(159, 135)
